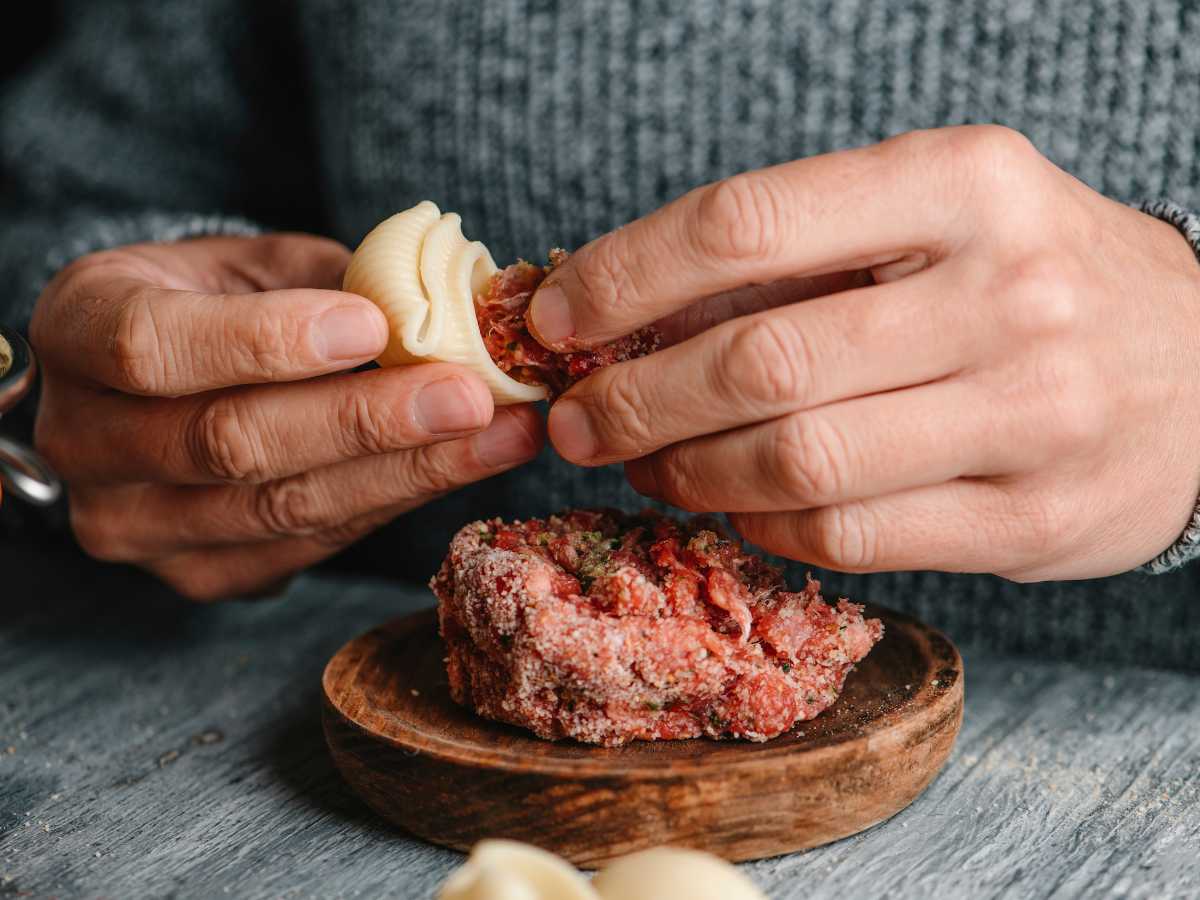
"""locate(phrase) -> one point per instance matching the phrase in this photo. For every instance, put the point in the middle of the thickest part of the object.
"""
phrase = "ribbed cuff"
(1187, 546)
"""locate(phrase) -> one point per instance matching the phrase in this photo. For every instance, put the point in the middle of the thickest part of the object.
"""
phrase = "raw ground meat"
(500, 310)
(607, 628)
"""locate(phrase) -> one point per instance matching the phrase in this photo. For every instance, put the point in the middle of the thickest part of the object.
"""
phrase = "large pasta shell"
(423, 273)
(509, 870)
(667, 873)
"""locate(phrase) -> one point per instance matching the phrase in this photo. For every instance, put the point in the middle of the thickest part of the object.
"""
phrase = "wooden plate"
(452, 778)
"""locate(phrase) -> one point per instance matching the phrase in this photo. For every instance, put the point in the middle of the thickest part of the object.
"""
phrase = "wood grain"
(451, 777)
(161, 749)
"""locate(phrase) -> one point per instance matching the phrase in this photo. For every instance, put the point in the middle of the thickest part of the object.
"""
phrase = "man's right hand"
(196, 402)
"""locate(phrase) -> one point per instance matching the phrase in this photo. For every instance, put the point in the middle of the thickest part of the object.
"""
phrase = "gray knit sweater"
(546, 123)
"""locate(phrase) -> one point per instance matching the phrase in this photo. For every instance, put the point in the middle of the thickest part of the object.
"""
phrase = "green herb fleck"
(595, 558)
(717, 722)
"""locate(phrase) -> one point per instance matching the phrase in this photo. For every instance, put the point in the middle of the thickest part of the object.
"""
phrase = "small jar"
(22, 472)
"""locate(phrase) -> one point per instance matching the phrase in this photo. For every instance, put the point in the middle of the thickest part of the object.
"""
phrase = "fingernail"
(550, 315)
(349, 332)
(448, 406)
(505, 442)
(572, 432)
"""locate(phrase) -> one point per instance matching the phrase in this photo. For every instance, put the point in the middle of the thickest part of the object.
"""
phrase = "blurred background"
(20, 43)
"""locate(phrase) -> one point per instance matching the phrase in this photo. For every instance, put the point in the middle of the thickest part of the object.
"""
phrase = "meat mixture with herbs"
(500, 309)
(607, 628)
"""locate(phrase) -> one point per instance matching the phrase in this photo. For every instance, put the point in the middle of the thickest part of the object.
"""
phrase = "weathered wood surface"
(159, 749)
(435, 769)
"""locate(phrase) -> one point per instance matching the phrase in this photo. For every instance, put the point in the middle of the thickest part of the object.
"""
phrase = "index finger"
(842, 211)
(153, 341)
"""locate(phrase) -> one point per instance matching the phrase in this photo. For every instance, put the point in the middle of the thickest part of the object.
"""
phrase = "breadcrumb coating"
(607, 628)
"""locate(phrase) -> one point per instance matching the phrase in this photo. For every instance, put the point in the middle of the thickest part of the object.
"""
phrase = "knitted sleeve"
(145, 122)
(1187, 545)
(149, 121)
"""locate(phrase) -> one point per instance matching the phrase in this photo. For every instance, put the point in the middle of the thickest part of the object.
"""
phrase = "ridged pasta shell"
(509, 870)
(423, 273)
(673, 872)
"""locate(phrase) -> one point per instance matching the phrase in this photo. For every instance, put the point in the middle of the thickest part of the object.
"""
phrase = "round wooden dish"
(448, 776)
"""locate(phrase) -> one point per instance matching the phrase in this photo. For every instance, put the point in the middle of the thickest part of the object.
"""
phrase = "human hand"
(1015, 392)
(196, 402)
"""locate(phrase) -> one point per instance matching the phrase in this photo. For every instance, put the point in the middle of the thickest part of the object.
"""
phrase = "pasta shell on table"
(667, 873)
(418, 268)
(510, 870)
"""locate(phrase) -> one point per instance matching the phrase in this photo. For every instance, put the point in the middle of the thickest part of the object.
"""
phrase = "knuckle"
(988, 153)
(998, 141)
(993, 165)
(430, 472)
(604, 282)
(621, 411)
(767, 363)
(138, 350)
(808, 457)
(990, 171)
(846, 538)
(290, 507)
(224, 446)
(365, 427)
(1038, 524)
(677, 480)
(268, 346)
(738, 219)
(1040, 300)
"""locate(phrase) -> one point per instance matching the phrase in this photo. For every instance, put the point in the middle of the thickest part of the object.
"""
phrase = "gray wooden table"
(152, 748)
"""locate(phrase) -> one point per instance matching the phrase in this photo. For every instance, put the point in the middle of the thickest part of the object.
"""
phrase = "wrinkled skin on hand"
(197, 401)
(939, 352)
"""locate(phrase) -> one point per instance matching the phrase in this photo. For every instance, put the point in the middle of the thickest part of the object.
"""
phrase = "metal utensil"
(22, 471)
